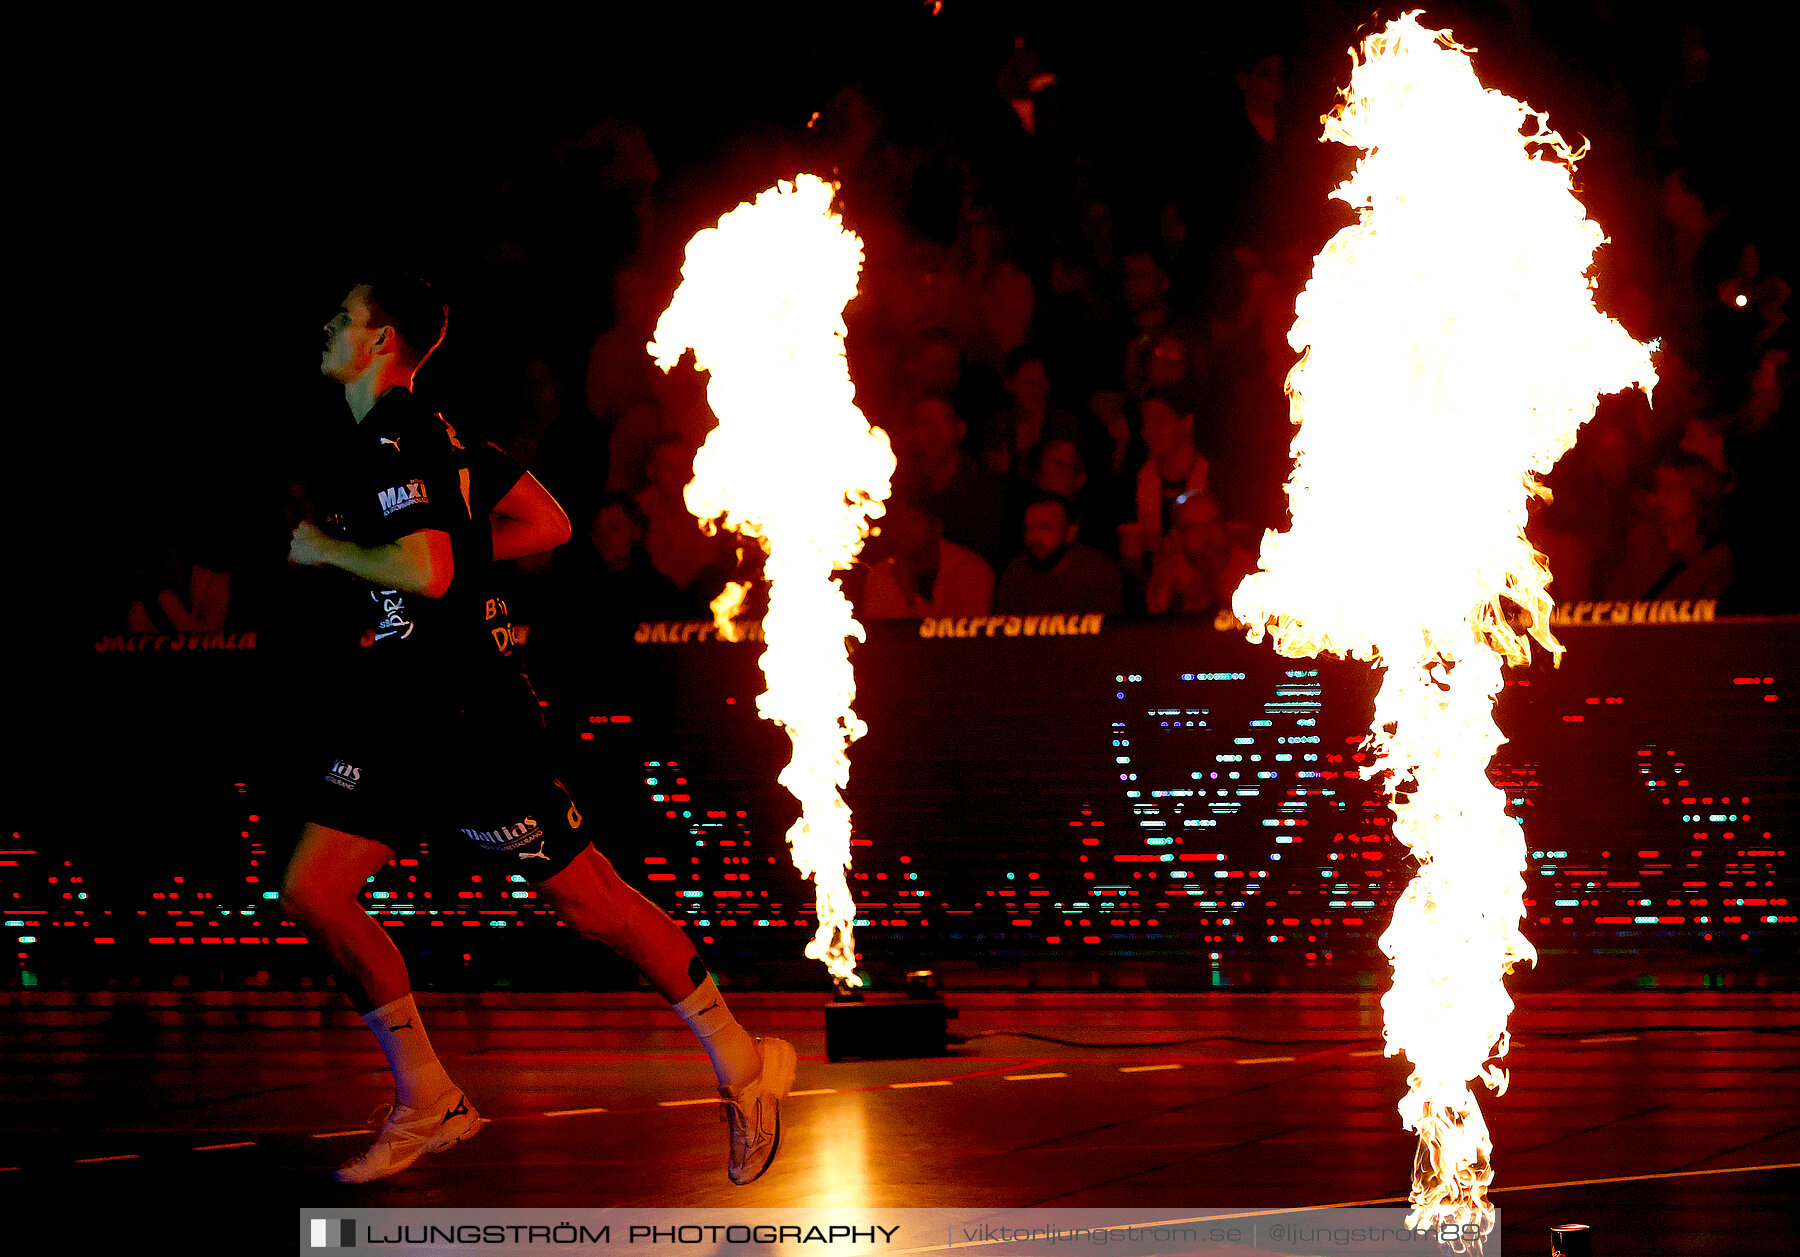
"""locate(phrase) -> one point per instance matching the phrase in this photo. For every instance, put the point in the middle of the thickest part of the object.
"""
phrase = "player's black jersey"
(494, 472)
(408, 471)
(432, 728)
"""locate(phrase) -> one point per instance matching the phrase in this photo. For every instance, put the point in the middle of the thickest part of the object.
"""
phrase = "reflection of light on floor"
(837, 1172)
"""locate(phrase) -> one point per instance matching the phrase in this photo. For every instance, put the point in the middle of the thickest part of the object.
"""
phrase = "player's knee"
(296, 907)
(587, 913)
(296, 904)
(304, 901)
(593, 910)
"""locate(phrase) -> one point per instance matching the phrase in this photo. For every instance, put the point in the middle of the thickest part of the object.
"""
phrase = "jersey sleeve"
(494, 473)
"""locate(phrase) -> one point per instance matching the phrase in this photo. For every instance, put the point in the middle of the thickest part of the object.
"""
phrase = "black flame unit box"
(888, 1027)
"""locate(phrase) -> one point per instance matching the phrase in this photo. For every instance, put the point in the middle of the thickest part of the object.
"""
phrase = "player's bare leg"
(322, 892)
(754, 1074)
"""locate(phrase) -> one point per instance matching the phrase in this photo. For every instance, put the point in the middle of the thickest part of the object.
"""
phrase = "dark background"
(991, 771)
(206, 191)
(210, 186)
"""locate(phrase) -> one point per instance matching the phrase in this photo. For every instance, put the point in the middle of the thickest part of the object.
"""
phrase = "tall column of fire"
(794, 463)
(1452, 350)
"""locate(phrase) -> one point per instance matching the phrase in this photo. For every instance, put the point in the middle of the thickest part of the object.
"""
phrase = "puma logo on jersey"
(398, 498)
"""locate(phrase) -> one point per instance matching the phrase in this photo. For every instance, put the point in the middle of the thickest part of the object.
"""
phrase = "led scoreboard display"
(1065, 787)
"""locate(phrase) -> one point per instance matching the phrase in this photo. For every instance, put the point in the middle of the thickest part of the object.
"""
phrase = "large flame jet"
(1452, 350)
(794, 463)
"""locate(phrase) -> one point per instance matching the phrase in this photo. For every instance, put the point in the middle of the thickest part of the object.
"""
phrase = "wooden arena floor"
(1667, 1120)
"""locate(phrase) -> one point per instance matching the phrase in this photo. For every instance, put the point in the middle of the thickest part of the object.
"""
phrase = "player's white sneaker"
(753, 1111)
(409, 1134)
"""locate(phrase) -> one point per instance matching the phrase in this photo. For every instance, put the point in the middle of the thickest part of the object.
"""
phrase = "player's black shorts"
(397, 773)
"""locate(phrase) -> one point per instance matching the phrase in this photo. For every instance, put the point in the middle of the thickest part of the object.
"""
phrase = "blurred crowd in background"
(1072, 325)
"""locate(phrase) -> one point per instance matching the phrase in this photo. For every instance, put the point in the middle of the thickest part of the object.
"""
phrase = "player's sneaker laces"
(753, 1111)
(408, 1134)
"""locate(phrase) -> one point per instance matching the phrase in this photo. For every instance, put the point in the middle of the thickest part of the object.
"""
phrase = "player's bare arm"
(418, 563)
(528, 521)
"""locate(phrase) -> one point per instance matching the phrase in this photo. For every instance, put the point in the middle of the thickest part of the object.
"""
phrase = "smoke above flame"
(793, 463)
(1452, 351)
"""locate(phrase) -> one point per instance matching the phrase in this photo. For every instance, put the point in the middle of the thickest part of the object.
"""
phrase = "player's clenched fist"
(308, 545)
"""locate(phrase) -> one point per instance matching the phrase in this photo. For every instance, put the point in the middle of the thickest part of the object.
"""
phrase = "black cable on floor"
(1214, 1038)
(1784, 1029)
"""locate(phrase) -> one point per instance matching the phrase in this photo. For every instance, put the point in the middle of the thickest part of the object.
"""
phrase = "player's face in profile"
(347, 338)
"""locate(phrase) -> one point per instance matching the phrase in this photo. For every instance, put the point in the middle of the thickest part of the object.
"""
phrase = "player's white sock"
(418, 1077)
(735, 1057)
